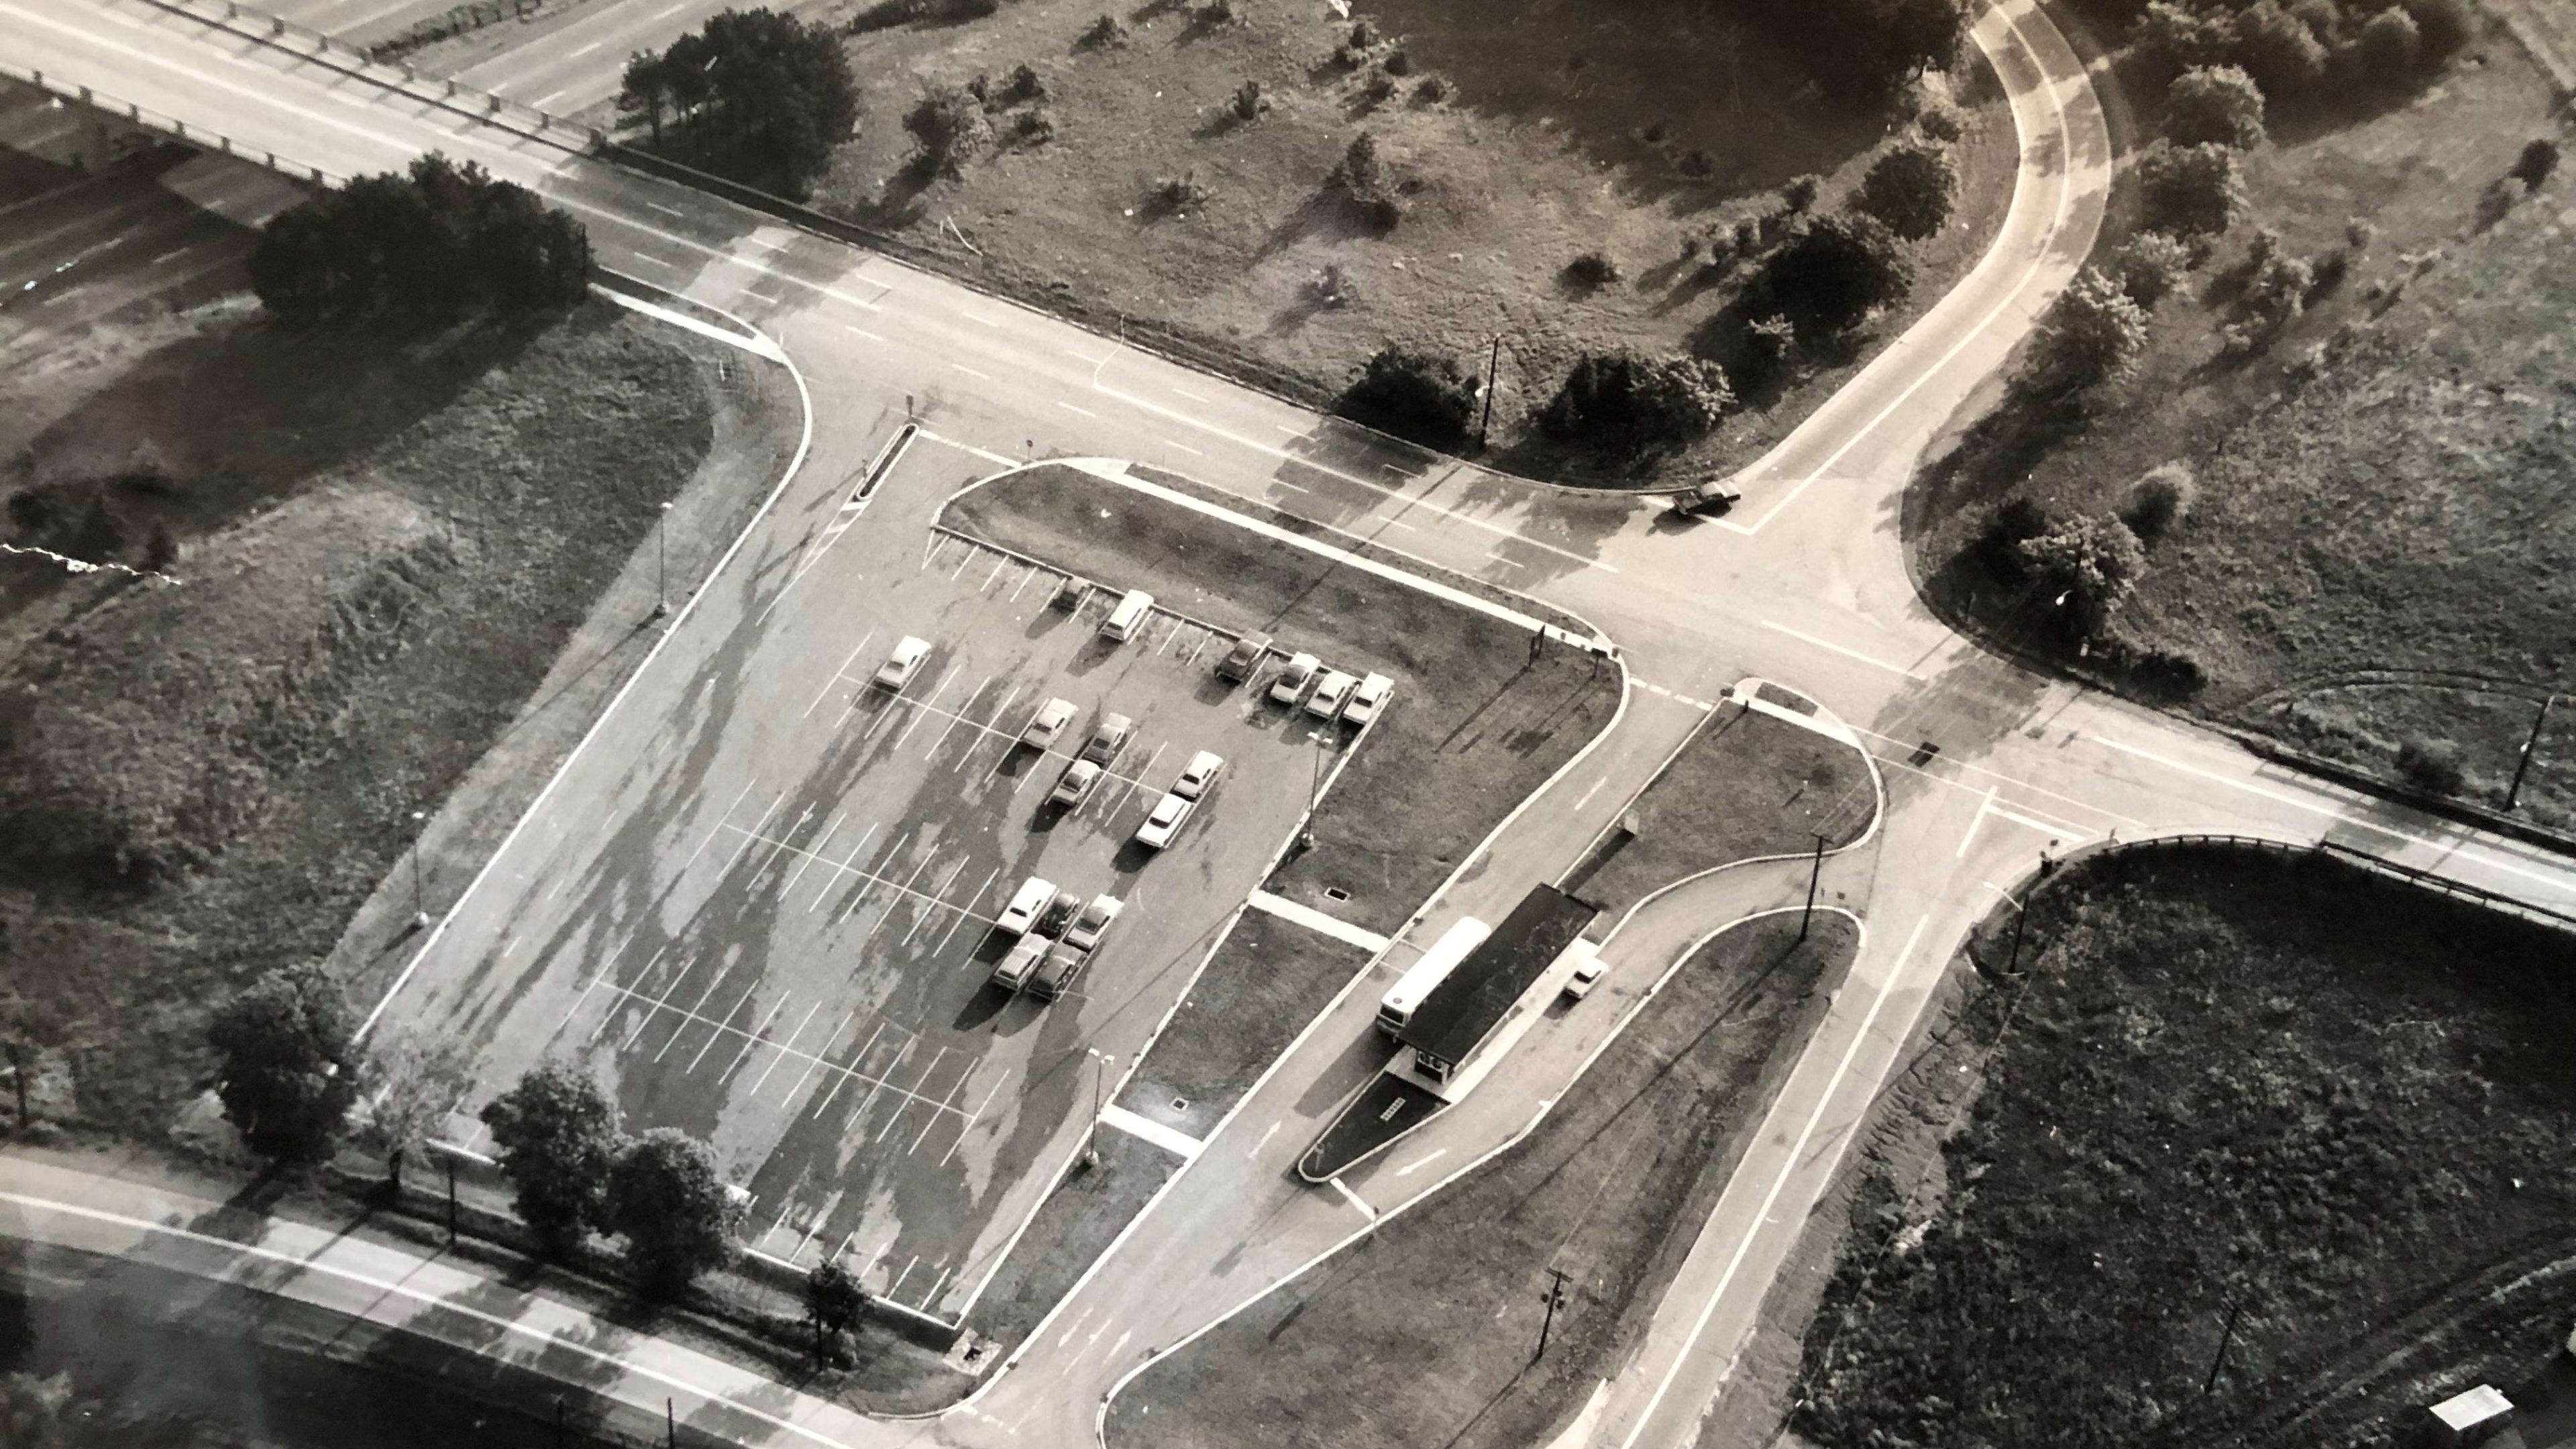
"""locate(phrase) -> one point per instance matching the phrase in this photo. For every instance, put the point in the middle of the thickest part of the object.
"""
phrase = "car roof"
(1056, 709)
(1204, 760)
(1085, 768)
(1110, 722)
(1376, 684)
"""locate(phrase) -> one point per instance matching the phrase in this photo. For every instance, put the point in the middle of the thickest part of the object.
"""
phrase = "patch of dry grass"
(2378, 551)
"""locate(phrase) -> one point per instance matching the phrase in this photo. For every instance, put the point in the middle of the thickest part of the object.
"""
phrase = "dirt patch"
(1746, 785)
(1481, 714)
(1610, 1189)
(1513, 139)
(1074, 1226)
(2381, 491)
(387, 544)
(1262, 987)
(2254, 1085)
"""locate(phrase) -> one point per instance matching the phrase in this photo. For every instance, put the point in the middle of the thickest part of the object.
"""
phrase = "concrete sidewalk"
(445, 1300)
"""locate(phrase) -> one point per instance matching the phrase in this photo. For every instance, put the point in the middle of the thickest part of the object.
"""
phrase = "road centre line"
(847, 1073)
(1828, 644)
(1184, 447)
(863, 332)
(666, 210)
(1068, 407)
(873, 877)
(2449, 850)
(587, 49)
(1795, 1159)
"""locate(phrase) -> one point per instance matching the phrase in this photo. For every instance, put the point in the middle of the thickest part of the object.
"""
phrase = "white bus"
(1427, 973)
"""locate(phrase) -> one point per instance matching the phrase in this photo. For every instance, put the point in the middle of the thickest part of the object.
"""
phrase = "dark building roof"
(1455, 1018)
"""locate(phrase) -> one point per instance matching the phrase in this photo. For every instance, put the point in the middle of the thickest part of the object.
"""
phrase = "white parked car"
(1199, 776)
(1165, 820)
(1331, 694)
(1368, 699)
(1034, 895)
(1048, 723)
(1074, 786)
(1093, 923)
(1293, 678)
(903, 663)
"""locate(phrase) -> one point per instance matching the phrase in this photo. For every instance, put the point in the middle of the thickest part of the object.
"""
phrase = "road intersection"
(1806, 584)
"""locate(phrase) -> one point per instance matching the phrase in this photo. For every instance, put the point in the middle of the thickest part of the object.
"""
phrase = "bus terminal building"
(1468, 1010)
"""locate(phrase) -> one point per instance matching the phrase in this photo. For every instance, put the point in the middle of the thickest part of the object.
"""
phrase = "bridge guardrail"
(2381, 865)
(168, 125)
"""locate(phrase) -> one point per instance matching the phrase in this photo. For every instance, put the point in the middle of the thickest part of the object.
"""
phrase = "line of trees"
(756, 96)
(435, 243)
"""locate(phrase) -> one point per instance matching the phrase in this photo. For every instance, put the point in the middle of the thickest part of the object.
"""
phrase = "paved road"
(1806, 583)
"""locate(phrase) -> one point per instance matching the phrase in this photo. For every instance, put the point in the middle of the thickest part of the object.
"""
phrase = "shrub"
(1591, 271)
(2276, 292)
(2191, 191)
(1423, 397)
(2159, 501)
(2445, 25)
(1380, 87)
(2389, 52)
(2537, 163)
(1696, 164)
(2358, 234)
(1361, 179)
(1102, 34)
(1800, 193)
(2328, 273)
(1362, 37)
(666, 1198)
(1215, 13)
(1432, 89)
(1397, 63)
(2432, 766)
(287, 1063)
(2082, 570)
(1768, 345)
(2014, 522)
(1941, 123)
(2278, 51)
(2149, 266)
(948, 129)
(2181, 37)
(2092, 335)
(557, 1137)
(1248, 101)
(2159, 671)
(834, 1303)
(1033, 127)
(2214, 103)
(1909, 188)
(1173, 193)
(1624, 401)
(1835, 271)
(1024, 85)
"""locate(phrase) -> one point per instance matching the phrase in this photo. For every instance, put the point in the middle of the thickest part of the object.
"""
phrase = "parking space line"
(1198, 648)
(1173, 633)
(989, 1094)
(808, 1074)
(1033, 572)
(844, 1080)
(962, 561)
(841, 673)
(1133, 781)
(991, 726)
(720, 1027)
(937, 897)
(785, 1046)
(611, 1015)
(802, 866)
(752, 1040)
(907, 1272)
(955, 720)
(826, 892)
(718, 830)
(932, 703)
(1000, 563)
(638, 1034)
(966, 912)
(872, 877)
(860, 1119)
(753, 834)
(849, 1073)
(915, 1094)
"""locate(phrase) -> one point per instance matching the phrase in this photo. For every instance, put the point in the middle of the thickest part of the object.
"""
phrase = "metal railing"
(2381, 865)
(167, 125)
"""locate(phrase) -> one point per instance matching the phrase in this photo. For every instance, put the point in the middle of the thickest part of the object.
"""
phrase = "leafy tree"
(2191, 191)
(288, 1063)
(834, 1302)
(1834, 271)
(2389, 51)
(756, 96)
(558, 1140)
(1621, 400)
(2432, 766)
(2093, 334)
(1909, 188)
(2214, 103)
(1358, 170)
(2183, 37)
(2149, 266)
(413, 1085)
(1868, 49)
(1769, 343)
(2085, 569)
(2278, 51)
(2447, 26)
(2159, 501)
(948, 129)
(438, 242)
(1417, 395)
(1799, 193)
(666, 1197)
(2537, 163)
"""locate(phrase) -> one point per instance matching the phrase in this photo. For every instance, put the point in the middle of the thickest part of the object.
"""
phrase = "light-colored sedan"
(1034, 895)
(903, 663)
(1199, 776)
(1293, 678)
(1331, 694)
(1047, 725)
(1093, 923)
(1165, 820)
(1368, 699)
(1075, 785)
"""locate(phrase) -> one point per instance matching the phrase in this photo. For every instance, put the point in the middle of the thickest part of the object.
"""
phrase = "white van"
(1128, 617)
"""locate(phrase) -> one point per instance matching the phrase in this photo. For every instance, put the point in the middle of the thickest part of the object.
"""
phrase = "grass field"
(2377, 553)
(1477, 722)
(1421, 1334)
(387, 543)
(1746, 785)
(2233, 1081)
(1518, 136)
(1262, 987)
(1074, 1226)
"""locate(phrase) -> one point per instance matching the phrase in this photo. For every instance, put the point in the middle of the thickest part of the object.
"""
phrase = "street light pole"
(662, 562)
(1091, 1154)
(1815, 870)
(2530, 745)
(1493, 369)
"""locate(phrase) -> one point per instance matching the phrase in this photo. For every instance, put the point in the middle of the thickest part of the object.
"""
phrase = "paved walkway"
(436, 1297)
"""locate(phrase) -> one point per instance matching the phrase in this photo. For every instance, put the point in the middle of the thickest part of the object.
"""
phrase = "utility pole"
(18, 1073)
(419, 887)
(1555, 1296)
(2514, 791)
(2021, 922)
(1815, 870)
(662, 562)
(451, 1202)
(1493, 365)
(670, 1426)
(2235, 1310)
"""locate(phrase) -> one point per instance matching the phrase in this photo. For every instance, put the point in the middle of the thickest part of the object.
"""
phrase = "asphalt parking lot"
(807, 985)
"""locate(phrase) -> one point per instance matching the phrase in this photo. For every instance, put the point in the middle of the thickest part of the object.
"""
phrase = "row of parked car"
(1057, 933)
(1326, 693)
